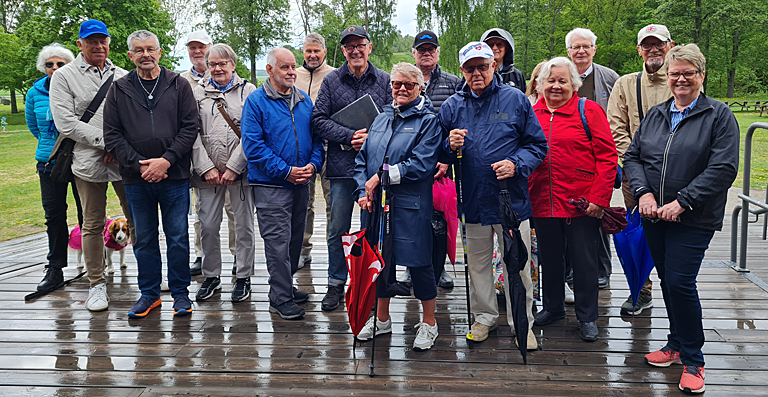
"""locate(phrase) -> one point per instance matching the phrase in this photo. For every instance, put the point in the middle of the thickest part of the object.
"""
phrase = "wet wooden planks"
(54, 346)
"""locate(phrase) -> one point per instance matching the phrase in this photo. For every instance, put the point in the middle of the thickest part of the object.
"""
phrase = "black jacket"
(510, 75)
(340, 88)
(134, 130)
(441, 86)
(695, 165)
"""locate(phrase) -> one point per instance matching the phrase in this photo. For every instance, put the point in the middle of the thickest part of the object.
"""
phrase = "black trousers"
(577, 239)
(54, 197)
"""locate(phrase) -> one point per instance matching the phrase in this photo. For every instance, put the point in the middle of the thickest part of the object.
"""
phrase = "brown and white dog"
(116, 238)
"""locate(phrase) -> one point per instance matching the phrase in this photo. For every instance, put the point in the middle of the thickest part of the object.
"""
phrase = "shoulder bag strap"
(582, 102)
(220, 106)
(639, 96)
(97, 100)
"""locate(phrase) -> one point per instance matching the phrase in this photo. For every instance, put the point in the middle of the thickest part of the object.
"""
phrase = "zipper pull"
(551, 117)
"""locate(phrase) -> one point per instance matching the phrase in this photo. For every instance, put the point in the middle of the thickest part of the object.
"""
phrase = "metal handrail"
(746, 200)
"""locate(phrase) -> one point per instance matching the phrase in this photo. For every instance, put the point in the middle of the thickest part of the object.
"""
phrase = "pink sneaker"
(692, 380)
(663, 358)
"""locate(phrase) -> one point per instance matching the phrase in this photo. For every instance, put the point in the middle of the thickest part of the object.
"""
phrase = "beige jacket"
(622, 105)
(72, 89)
(194, 80)
(310, 82)
(217, 145)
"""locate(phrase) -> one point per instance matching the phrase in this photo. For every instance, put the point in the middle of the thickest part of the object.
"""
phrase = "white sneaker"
(569, 298)
(425, 336)
(97, 298)
(164, 285)
(381, 328)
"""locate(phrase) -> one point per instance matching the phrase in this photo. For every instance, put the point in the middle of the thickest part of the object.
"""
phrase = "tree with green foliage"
(250, 27)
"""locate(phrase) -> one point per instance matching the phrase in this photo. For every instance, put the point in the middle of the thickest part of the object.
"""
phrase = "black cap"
(354, 30)
(425, 37)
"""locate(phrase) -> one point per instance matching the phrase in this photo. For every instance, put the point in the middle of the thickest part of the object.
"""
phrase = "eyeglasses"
(648, 46)
(471, 69)
(351, 48)
(578, 48)
(422, 50)
(499, 44)
(214, 65)
(399, 84)
(688, 74)
(50, 64)
(148, 51)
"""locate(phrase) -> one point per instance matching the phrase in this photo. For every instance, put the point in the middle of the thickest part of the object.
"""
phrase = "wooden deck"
(54, 346)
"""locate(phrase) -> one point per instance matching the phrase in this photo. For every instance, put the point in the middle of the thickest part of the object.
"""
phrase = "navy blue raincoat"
(411, 139)
(500, 125)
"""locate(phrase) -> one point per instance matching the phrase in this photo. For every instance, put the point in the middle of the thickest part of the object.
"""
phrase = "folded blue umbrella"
(632, 250)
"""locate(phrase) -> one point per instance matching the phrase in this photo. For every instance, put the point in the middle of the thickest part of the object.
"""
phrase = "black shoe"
(332, 299)
(242, 289)
(234, 266)
(53, 278)
(544, 317)
(445, 280)
(197, 267)
(602, 282)
(588, 331)
(299, 296)
(209, 287)
(288, 310)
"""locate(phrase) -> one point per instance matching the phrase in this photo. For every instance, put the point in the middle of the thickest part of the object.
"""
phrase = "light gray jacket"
(72, 89)
(605, 78)
(217, 145)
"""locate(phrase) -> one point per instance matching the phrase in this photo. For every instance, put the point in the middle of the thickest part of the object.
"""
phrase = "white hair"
(53, 50)
(315, 38)
(142, 35)
(221, 50)
(580, 32)
(546, 70)
(272, 55)
(407, 69)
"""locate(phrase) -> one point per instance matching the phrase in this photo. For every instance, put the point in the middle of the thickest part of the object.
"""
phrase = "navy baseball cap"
(354, 30)
(92, 26)
(425, 37)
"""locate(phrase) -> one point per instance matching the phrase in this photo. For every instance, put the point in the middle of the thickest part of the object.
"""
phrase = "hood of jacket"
(296, 95)
(212, 92)
(421, 107)
(509, 56)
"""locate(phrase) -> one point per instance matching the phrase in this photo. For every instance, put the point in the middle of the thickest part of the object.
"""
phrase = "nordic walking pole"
(460, 185)
(380, 246)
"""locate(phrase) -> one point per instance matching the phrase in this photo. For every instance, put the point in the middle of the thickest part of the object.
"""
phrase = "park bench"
(747, 105)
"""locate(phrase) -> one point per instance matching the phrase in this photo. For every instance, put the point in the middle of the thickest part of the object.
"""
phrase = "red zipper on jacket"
(551, 201)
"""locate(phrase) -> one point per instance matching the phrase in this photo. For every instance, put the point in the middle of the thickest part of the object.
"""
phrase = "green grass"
(21, 209)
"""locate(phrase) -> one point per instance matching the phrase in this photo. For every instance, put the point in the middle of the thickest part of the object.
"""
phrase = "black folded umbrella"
(516, 259)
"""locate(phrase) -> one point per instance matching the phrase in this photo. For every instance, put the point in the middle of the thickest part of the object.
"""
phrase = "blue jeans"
(677, 252)
(342, 203)
(173, 197)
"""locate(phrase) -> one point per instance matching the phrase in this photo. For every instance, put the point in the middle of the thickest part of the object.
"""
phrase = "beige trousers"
(230, 224)
(93, 197)
(482, 289)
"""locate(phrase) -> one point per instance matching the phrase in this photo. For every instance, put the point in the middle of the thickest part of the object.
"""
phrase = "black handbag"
(62, 160)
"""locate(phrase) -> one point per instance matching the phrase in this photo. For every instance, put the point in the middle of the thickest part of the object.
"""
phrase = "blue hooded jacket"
(276, 138)
(37, 111)
(500, 124)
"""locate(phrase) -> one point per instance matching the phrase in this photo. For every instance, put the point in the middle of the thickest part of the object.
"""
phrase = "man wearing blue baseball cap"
(501, 139)
(76, 88)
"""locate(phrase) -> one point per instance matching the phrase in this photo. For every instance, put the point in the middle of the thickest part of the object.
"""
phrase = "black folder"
(357, 115)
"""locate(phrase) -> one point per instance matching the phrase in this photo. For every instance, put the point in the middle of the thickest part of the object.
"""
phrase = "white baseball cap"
(474, 49)
(658, 31)
(200, 36)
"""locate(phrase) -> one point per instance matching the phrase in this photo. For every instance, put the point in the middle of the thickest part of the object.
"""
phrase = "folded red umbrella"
(614, 219)
(364, 265)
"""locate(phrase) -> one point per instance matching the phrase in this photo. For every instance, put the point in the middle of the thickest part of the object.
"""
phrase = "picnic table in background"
(746, 105)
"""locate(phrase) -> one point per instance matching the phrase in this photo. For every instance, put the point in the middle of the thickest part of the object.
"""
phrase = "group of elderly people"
(262, 147)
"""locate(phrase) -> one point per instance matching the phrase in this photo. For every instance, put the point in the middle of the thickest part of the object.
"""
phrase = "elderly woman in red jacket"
(577, 165)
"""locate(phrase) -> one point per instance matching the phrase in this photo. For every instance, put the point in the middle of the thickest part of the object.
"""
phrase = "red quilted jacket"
(575, 166)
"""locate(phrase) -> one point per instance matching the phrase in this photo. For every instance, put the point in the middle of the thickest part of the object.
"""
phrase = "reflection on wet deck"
(54, 346)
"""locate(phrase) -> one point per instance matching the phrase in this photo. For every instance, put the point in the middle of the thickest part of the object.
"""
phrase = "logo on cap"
(479, 47)
(650, 29)
(351, 29)
(426, 36)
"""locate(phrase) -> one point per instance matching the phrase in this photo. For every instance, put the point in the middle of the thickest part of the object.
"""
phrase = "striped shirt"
(679, 115)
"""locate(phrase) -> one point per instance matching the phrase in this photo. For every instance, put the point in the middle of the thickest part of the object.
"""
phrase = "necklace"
(149, 94)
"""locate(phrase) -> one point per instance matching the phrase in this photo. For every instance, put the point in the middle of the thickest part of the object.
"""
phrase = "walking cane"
(460, 186)
(380, 246)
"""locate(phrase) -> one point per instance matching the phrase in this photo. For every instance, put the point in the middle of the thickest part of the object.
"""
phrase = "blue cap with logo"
(425, 37)
(92, 26)
(354, 30)
(474, 49)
